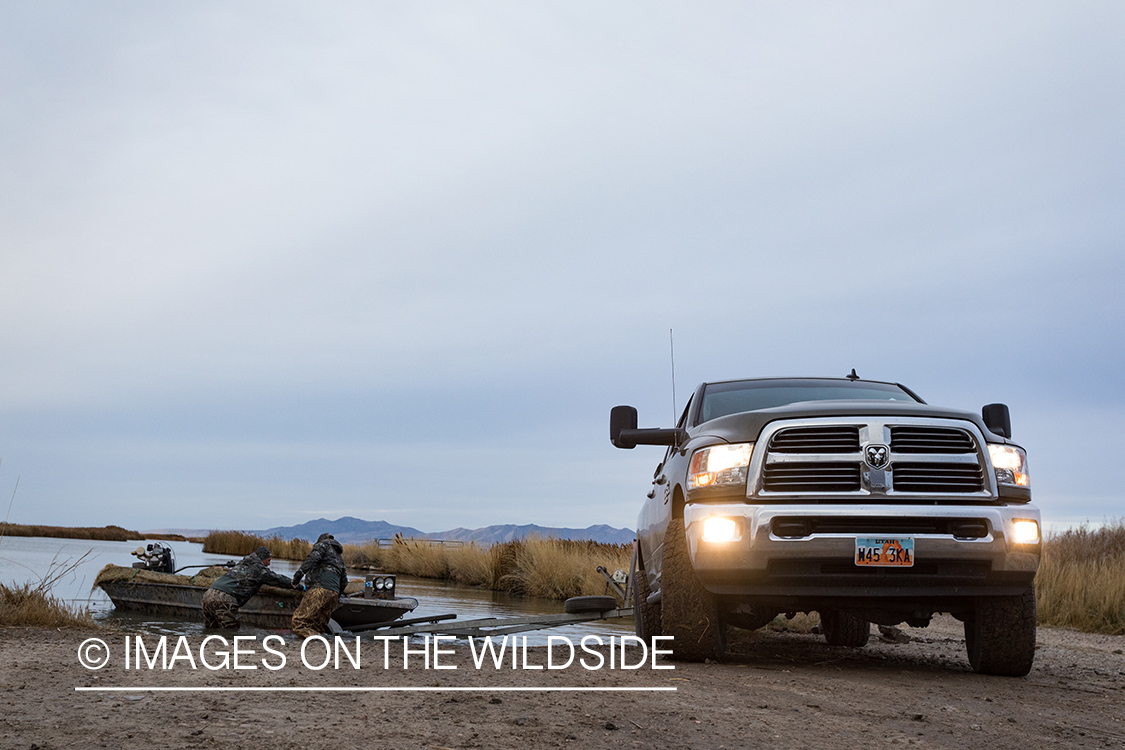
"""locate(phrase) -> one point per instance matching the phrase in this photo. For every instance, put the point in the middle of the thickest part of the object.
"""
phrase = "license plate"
(896, 552)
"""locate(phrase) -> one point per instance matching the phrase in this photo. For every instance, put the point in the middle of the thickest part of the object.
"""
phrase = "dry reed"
(104, 533)
(562, 568)
(28, 606)
(33, 605)
(551, 568)
(239, 543)
(1081, 580)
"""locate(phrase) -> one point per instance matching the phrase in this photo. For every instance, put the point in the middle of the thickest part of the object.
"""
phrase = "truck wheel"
(1000, 635)
(844, 629)
(581, 604)
(646, 617)
(688, 612)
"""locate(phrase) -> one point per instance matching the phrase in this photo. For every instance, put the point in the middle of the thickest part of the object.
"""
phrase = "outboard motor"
(156, 557)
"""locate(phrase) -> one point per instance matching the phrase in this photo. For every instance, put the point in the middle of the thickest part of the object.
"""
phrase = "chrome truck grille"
(935, 477)
(822, 476)
(887, 460)
(906, 439)
(816, 440)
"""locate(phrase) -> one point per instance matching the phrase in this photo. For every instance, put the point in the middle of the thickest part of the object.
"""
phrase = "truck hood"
(746, 426)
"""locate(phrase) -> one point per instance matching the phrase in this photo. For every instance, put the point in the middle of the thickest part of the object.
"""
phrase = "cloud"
(235, 236)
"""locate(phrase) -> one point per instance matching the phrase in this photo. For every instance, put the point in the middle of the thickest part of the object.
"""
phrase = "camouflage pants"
(316, 607)
(220, 610)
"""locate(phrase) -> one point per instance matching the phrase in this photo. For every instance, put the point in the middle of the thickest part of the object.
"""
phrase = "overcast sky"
(266, 262)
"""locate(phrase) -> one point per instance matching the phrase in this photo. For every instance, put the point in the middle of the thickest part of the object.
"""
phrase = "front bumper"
(761, 563)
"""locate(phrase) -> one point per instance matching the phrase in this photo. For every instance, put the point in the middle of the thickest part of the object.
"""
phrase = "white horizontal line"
(290, 689)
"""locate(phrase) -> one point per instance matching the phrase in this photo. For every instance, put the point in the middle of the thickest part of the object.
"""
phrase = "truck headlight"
(720, 466)
(1010, 464)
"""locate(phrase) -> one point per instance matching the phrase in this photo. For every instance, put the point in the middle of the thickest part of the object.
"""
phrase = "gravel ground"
(776, 689)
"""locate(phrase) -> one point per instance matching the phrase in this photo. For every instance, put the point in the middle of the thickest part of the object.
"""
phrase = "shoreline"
(109, 533)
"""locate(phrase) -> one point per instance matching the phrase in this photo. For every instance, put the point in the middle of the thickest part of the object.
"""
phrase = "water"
(470, 603)
(28, 559)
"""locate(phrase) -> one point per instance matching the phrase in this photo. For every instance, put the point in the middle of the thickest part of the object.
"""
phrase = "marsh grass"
(33, 605)
(239, 544)
(550, 568)
(103, 533)
(562, 568)
(27, 606)
(1081, 579)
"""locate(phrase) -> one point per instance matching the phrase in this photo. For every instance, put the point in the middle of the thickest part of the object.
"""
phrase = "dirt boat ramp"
(776, 690)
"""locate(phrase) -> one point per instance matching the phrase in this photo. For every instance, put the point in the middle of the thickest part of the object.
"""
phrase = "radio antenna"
(672, 351)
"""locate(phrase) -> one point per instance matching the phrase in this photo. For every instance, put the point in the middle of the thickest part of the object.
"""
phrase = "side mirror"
(623, 432)
(622, 418)
(998, 419)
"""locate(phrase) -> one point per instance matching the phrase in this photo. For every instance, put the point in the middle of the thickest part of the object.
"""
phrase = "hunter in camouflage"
(235, 587)
(326, 578)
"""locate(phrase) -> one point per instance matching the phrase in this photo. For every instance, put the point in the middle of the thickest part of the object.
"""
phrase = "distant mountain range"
(356, 530)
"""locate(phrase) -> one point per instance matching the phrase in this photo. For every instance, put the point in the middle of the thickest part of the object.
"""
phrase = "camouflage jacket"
(324, 567)
(244, 579)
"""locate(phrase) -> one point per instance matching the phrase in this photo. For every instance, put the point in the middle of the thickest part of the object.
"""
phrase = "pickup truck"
(851, 498)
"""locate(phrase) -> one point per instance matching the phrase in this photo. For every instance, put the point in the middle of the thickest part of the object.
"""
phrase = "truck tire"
(646, 617)
(1000, 635)
(688, 612)
(844, 629)
(576, 605)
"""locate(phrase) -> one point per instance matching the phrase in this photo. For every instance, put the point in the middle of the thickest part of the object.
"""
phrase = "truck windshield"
(721, 399)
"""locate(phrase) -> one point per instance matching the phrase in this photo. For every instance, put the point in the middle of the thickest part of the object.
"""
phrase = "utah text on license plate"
(896, 552)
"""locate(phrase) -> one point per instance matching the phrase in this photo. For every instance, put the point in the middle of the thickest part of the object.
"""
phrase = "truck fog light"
(1025, 531)
(719, 529)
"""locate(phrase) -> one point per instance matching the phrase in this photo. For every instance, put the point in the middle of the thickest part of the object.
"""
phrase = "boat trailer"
(579, 609)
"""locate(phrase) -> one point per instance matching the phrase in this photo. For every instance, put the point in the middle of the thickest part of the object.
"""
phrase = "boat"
(159, 593)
